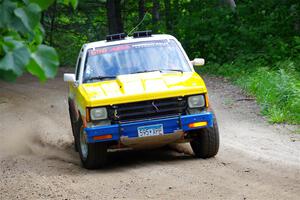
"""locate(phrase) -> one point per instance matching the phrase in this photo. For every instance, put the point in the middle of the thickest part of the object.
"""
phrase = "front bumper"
(129, 130)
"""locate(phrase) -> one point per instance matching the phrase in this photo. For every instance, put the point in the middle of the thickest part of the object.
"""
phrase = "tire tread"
(206, 145)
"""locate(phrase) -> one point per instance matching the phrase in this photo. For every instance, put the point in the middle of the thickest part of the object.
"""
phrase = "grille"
(147, 109)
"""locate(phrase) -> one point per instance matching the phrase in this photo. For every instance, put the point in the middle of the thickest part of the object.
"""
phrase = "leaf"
(8, 19)
(39, 34)
(10, 43)
(6, 12)
(30, 15)
(15, 60)
(43, 4)
(17, 24)
(47, 59)
(16, 56)
(36, 70)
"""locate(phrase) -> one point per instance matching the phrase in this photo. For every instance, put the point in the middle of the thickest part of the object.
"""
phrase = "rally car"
(138, 92)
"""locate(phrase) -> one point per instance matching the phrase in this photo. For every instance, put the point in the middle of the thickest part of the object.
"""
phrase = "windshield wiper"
(172, 70)
(100, 78)
(158, 70)
(145, 71)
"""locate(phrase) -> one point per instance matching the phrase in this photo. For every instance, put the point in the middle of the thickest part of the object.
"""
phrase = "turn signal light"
(197, 124)
(102, 137)
(206, 100)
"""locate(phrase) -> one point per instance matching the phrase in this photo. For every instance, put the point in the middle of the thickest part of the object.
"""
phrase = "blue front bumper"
(129, 130)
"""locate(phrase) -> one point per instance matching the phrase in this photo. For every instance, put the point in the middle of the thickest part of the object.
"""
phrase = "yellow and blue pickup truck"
(138, 92)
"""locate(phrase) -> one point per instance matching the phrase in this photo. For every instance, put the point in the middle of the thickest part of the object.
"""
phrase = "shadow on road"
(122, 160)
(136, 158)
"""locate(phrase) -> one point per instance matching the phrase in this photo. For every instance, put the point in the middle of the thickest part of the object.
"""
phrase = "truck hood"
(140, 87)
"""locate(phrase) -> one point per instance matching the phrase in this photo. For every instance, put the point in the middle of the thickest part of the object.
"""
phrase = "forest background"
(254, 43)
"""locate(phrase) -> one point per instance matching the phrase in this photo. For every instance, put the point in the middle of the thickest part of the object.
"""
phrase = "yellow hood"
(140, 87)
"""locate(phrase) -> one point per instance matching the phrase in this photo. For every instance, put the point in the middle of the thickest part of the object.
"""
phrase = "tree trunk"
(174, 13)
(114, 18)
(53, 15)
(141, 9)
(168, 16)
(155, 14)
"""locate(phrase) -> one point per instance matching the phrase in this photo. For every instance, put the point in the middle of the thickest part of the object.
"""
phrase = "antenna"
(137, 24)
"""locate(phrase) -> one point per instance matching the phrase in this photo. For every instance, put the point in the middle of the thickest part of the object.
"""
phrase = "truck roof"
(104, 43)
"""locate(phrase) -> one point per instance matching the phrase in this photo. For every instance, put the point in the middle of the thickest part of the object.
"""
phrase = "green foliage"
(257, 47)
(277, 91)
(21, 47)
(46, 58)
(261, 28)
(73, 28)
(69, 55)
(43, 4)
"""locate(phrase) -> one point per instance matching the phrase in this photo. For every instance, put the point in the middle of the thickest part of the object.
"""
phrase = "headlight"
(196, 101)
(98, 113)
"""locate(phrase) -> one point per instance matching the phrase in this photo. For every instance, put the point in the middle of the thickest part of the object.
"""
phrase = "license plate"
(151, 130)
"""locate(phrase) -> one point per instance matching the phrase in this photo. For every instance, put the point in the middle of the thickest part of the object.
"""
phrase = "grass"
(276, 89)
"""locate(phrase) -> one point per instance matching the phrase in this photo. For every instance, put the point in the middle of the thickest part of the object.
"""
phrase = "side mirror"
(198, 62)
(69, 78)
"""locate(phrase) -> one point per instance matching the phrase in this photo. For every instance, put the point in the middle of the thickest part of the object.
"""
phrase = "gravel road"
(256, 160)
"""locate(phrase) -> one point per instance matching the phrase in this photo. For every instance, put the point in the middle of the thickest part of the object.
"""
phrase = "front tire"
(206, 143)
(74, 126)
(92, 155)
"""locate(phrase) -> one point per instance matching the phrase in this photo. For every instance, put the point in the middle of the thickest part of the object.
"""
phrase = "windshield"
(130, 58)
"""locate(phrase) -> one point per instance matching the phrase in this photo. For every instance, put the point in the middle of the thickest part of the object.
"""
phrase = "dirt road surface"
(256, 160)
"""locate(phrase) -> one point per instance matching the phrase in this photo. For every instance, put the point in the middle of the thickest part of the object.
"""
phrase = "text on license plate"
(151, 130)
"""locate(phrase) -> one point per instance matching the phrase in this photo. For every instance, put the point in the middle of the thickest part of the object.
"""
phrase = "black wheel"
(75, 128)
(92, 155)
(206, 143)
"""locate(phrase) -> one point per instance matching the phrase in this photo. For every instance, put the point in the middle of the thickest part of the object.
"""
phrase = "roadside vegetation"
(259, 50)
(276, 90)
(256, 44)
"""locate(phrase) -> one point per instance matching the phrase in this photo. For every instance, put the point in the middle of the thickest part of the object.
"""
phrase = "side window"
(78, 69)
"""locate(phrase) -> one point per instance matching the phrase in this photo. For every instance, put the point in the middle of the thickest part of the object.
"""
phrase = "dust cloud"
(30, 142)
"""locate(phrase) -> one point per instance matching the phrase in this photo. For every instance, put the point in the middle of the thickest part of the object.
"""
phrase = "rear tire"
(92, 155)
(206, 143)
